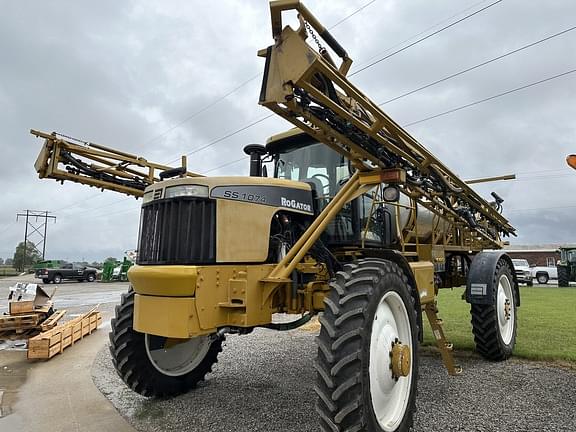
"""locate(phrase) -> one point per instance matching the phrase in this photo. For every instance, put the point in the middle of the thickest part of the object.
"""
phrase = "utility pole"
(39, 228)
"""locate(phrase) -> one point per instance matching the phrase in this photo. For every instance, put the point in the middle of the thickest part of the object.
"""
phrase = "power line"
(424, 38)
(477, 66)
(227, 164)
(364, 68)
(231, 134)
(406, 125)
(419, 33)
(102, 206)
(203, 109)
(490, 98)
(249, 80)
(360, 9)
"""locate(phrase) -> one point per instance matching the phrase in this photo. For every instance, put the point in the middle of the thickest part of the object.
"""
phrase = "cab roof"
(287, 141)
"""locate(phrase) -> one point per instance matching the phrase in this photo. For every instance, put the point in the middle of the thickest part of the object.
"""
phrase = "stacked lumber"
(19, 322)
(26, 318)
(52, 321)
(51, 342)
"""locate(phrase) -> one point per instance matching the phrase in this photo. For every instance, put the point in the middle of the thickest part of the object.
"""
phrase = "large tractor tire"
(563, 276)
(367, 364)
(155, 366)
(494, 325)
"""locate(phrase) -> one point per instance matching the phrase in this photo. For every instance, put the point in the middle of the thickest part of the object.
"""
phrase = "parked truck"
(523, 271)
(68, 271)
(543, 274)
(359, 224)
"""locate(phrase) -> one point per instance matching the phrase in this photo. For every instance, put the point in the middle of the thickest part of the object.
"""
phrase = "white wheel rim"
(178, 359)
(389, 396)
(505, 306)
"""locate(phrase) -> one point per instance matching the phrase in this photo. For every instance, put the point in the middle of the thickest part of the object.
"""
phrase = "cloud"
(122, 73)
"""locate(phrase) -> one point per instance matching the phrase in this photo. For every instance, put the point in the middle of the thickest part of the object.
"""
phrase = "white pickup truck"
(523, 271)
(544, 274)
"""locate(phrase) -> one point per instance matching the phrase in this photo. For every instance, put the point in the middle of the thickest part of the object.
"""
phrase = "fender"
(480, 287)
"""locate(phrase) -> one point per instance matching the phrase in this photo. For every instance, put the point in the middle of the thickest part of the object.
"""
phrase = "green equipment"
(48, 264)
(116, 270)
(566, 266)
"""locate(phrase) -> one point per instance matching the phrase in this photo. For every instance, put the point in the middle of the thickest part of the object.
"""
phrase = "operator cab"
(298, 157)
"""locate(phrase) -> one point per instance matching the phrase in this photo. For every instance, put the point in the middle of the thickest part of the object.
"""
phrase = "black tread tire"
(344, 402)
(132, 364)
(530, 283)
(46, 280)
(489, 343)
(90, 277)
(563, 276)
(57, 278)
(544, 280)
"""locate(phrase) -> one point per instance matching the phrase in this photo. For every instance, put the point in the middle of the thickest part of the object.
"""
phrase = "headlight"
(527, 273)
(147, 197)
(186, 190)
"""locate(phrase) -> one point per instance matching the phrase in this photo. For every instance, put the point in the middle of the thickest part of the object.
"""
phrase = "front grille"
(178, 231)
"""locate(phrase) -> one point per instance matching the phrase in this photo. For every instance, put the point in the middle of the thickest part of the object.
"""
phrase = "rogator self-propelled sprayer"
(359, 224)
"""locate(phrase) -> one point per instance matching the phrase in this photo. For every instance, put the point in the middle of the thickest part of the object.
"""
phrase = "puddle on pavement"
(13, 373)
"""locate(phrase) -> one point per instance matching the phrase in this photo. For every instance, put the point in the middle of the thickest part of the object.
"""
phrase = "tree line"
(25, 257)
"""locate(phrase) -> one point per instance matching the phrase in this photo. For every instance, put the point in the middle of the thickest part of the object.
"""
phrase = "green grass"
(546, 322)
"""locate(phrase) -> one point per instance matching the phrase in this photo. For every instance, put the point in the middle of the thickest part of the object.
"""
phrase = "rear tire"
(159, 372)
(542, 278)
(563, 276)
(355, 392)
(494, 325)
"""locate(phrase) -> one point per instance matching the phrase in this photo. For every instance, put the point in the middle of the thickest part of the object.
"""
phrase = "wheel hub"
(507, 309)
(400, 362)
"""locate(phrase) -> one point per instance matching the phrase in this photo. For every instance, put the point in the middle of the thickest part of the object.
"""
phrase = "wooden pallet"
(52, 320)
(19, 322)
(49, 343)
(21, 307)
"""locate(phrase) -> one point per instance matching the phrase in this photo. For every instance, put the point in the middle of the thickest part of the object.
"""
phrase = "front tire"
(57, 279)
(369, 324)
(563, 276)
(494, 325)
(91, 277)
(154, 366)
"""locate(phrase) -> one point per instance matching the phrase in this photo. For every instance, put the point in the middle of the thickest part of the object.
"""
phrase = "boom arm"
(305, 87)
(100, 166)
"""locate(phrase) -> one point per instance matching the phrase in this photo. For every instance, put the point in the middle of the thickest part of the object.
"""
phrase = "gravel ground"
(263, 382)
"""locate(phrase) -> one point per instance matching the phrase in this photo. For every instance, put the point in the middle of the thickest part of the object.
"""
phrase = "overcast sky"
(124, 73)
